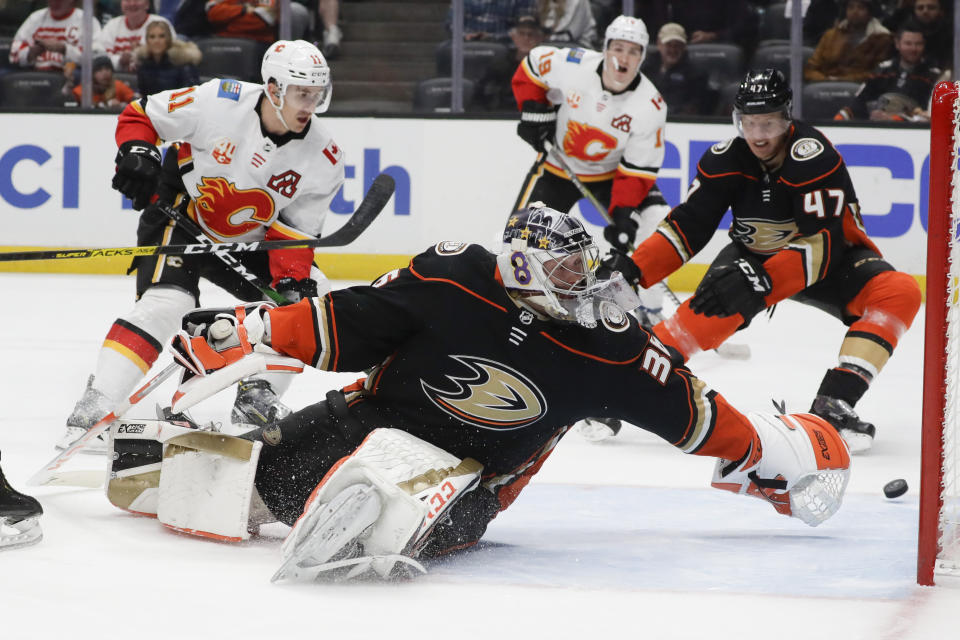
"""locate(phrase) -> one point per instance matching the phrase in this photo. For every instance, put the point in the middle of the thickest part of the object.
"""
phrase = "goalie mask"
(294, 65)
(548, 265)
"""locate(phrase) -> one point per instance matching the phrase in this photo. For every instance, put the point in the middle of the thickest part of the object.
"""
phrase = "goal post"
(938, 548)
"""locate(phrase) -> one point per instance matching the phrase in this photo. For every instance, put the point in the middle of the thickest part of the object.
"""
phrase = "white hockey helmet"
(629, 29)
(297, 62)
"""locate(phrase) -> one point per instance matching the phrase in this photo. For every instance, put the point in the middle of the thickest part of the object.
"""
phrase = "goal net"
(938, 557)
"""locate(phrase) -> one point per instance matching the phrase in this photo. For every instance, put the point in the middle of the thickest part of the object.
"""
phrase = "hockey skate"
(597, 429)
(88, 411)
(326, 541)
(257, 404)
(19, 517)
(798, 463)
(857, 433)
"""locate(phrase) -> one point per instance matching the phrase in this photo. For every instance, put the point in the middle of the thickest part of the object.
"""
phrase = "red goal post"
(938, 548)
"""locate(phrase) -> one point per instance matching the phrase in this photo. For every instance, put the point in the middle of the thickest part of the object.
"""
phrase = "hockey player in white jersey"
(251, 162)
(605, 120)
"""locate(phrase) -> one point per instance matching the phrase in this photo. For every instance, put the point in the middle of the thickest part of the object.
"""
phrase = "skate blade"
(27, 532)
(857, 442)
(336, 527)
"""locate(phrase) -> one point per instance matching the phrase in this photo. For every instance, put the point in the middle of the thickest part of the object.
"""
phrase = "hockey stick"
(380, 191)
(50, 474)
(366, 213)
(725, 350)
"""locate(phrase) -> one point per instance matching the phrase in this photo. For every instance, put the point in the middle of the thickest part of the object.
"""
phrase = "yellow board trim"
(336, 266)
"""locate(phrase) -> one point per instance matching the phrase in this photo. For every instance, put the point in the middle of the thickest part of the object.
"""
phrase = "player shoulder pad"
(810, 156)
(725, 157)
(457, 261)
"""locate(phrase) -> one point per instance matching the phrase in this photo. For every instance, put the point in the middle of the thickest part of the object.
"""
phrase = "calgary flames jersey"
(602, 135)
(241, 180)
(799, 219)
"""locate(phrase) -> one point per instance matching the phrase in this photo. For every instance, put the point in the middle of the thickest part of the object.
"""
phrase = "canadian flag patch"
(332, 152)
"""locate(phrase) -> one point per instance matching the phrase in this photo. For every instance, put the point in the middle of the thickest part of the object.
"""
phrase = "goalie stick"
(725, 350)
(50, 473)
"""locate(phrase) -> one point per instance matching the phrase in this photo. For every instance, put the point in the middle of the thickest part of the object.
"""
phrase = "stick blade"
(373, 203)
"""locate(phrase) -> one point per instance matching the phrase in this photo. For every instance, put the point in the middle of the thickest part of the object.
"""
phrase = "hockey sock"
(733, 435)
(690, 333)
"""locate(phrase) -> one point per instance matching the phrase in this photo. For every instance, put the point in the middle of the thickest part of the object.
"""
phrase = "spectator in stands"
(568, 21)
(819, 16)
(123, 34)
(329, 11)
(165, 63)
(705, 20)
(937, 31)
(254, 19)
(49, 38)
(108, 92)
(683, 86)
(852, 49)
(527, 33)
(492, 19)
(900, 87)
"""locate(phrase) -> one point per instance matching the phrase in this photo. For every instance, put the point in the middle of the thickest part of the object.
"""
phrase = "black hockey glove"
(739, 287)
(138, 172)
(538, 122)
(619, 261)
(622, 230)
(296, 290)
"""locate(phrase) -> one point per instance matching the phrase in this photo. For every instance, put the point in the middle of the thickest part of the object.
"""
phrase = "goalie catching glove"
(214, 338)
(740, 287)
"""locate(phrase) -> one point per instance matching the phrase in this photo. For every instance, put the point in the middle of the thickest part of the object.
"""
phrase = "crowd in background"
(886, 54)
(143, 46)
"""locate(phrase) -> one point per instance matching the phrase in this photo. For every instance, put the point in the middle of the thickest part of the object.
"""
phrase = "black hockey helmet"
(764, 91)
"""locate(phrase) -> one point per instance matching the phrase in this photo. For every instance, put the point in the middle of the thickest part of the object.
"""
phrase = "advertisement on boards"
(456, 180)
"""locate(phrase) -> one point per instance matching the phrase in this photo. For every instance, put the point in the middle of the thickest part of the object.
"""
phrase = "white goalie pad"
(801, 467)
(135, 448)
(262, 360)
(375, 510)
(206, 484)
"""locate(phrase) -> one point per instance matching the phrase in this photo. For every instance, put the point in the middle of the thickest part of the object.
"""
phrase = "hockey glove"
(621, 233)
(296, 290)
(619, 261)
(739, 287)
(538, 122)
(214, 338)
(138, 172)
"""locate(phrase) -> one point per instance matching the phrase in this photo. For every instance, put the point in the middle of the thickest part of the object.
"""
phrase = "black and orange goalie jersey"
(459, 364)
(799, 219)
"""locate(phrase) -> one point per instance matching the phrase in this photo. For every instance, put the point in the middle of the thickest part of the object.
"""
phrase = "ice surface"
(617, 539)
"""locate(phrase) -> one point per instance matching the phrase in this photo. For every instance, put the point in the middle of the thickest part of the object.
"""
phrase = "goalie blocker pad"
(415, 483)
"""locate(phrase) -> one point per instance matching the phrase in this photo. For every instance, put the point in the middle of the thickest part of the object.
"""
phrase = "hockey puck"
(895, 488)
(221, 329)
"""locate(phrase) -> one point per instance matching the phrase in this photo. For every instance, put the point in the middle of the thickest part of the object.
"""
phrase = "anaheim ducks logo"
(228, 211)
(763, 236)
(491, 396)
(587, 143)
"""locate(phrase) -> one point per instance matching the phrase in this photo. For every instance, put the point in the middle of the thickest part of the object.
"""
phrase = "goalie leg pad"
(136, 452)
(798, 463)
(206, 484)
(416, 484)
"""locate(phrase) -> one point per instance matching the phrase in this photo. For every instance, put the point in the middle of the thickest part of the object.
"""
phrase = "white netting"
(948, 559)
